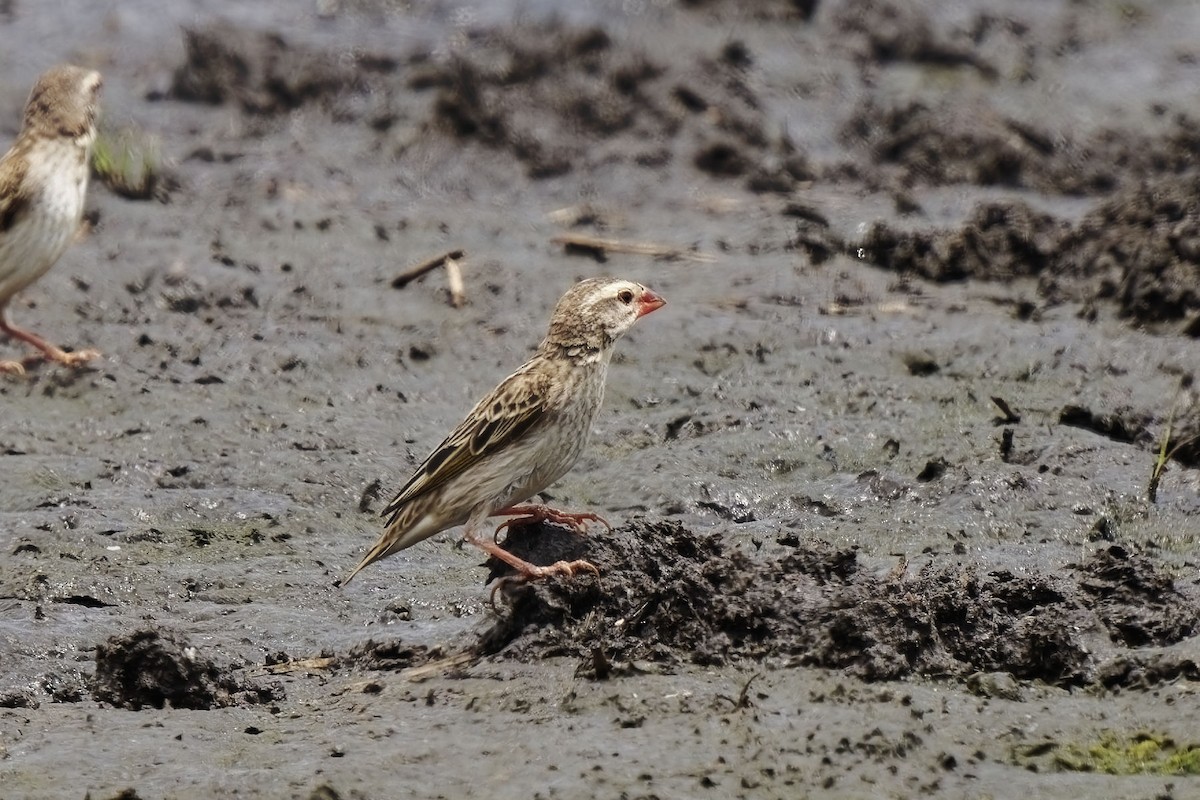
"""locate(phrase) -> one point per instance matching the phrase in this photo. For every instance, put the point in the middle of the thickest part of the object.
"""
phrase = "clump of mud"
(1000, 241)
(391, 654)
(262, 72)
(1138, 604)
(156, 668)
(918, 144)
(669, 595)
(1140, 249)
(886, 30)
(559, 98)
(933, 146)
(555, 97)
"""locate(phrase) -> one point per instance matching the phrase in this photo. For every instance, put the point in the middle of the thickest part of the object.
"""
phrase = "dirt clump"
(390, 654)
(934, 146)
(884, 31)
(922, 144)
(1001, 241)
(150, 668)
(561, 98)
(1137, 602)
(1141, 250)
(262, 72)
(671, 596)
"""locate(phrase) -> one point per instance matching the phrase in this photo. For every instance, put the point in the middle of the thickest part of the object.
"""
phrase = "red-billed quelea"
(523, 435)
(43, 182)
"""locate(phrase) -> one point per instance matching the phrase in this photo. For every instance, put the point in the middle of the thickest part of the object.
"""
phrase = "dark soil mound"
(389, 654)
(884, 30)
(671, 596)
(1140, 249)
(942, 146)
(261, 72)
(923, 145)
(555, 96)
(152, 668)
(1000, 241)
(1138, 604)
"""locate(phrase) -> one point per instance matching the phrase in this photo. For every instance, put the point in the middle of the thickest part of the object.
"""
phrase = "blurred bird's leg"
(51, 352)
(533, 513)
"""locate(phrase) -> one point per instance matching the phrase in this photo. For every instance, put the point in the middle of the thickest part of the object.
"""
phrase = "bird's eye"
(625, 296)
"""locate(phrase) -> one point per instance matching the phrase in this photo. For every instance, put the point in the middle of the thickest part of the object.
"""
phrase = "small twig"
(324, 662)
(598, 247)
(425, 671)
(412, 273)
(573, 216)
(600, 663)
(458, 297)
(1010, 417)
(743, 698)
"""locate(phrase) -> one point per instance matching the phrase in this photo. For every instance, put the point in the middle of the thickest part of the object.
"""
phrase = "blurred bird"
(523, 435)
(43, 182)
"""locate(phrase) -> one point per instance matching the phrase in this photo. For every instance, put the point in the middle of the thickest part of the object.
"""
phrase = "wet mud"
(156, 669)
(669, 595)
(903, 479)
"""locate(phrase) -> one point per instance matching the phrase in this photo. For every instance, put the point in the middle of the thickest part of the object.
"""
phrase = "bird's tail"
(402, 533)
(380, 550)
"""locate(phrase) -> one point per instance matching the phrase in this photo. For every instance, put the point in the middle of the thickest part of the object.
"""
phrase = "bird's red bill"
(648, 302)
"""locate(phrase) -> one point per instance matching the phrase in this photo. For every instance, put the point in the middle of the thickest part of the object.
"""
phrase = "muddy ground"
(879, 473)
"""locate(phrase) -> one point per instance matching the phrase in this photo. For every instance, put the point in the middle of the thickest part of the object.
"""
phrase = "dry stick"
(323, 662)
(433, 668)
(458, 297)
(412, 273)
(596, 244)
(1006, 409)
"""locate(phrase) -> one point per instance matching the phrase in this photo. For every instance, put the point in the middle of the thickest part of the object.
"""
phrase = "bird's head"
(595, 312)
(64, 102)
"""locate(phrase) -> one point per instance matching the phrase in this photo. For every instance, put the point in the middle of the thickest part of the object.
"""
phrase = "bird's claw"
(537, 573)
(577, 522)
(76, 359)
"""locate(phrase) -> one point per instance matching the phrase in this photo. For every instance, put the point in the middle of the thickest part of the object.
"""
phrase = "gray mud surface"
(879, 473)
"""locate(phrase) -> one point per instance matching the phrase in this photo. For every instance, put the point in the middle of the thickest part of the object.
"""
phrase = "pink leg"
(50, 351)
(525, 570)
(533, 513)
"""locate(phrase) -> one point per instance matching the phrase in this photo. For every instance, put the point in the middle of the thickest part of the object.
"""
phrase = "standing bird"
(43, 182)
(523, 435)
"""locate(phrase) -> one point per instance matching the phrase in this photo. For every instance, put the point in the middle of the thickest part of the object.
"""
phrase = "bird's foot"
(532, 572)
(51, 353)
(532, 514)
(75, 359)
(526, 572)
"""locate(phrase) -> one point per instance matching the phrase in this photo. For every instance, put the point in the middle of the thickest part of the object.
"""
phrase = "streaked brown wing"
(13, 202)
(508, 412)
